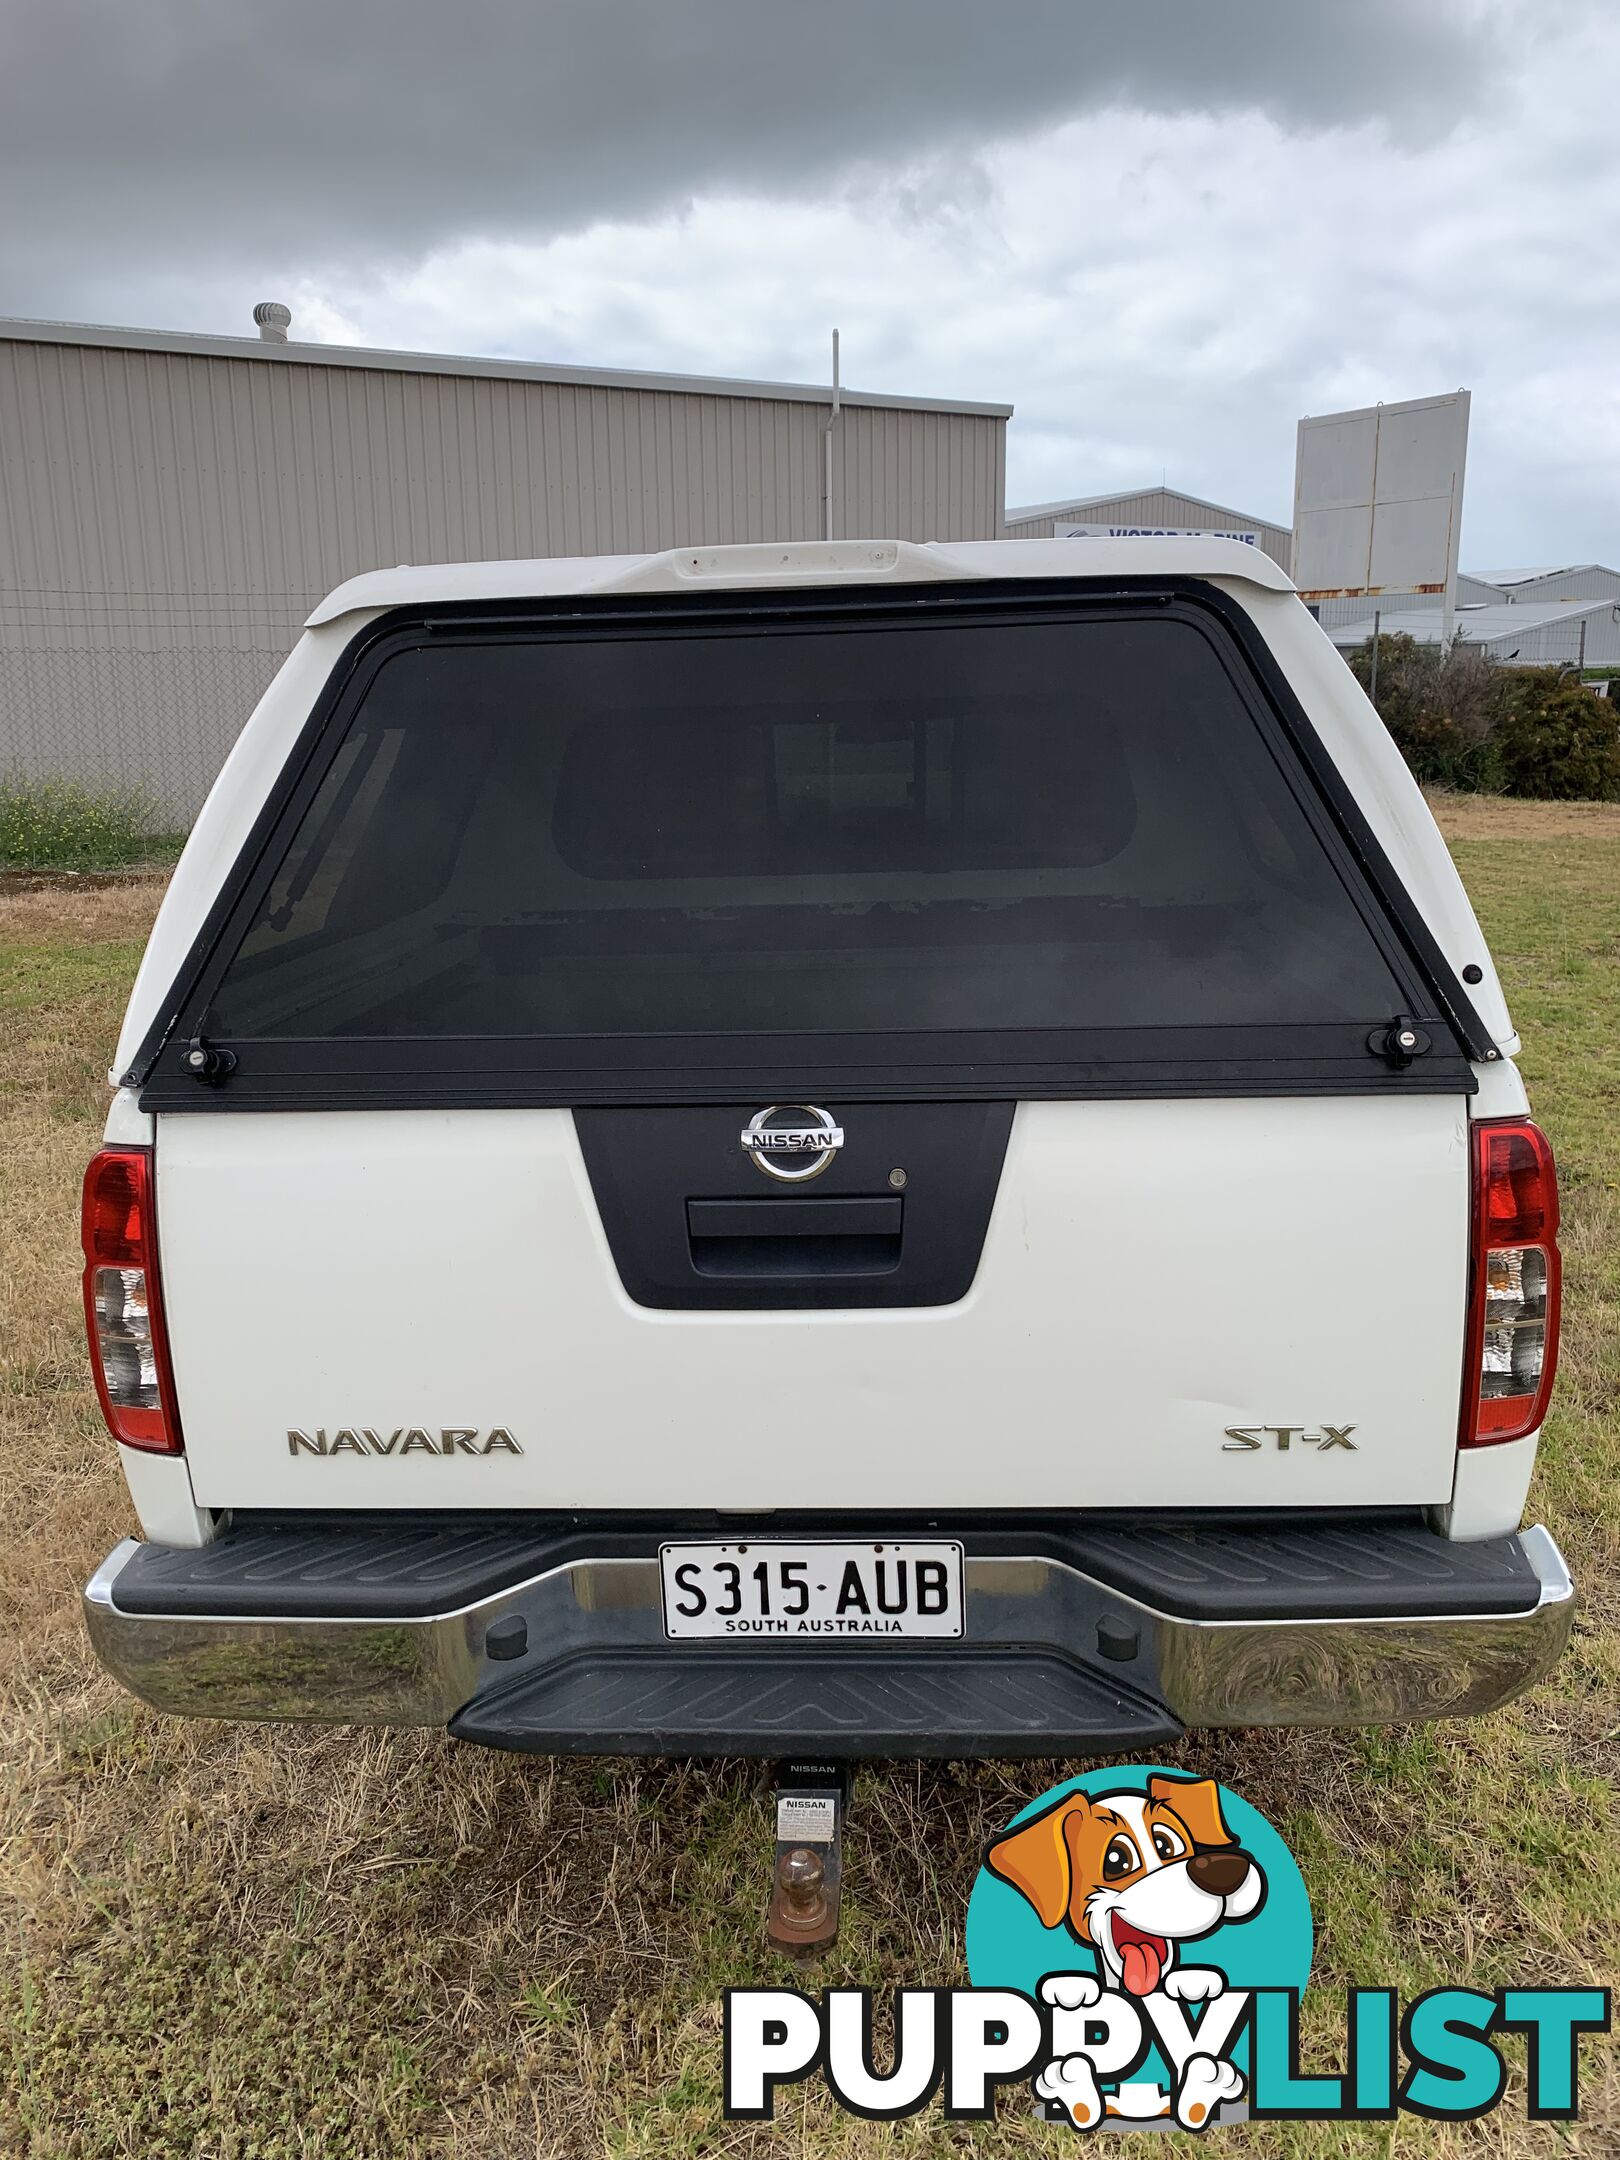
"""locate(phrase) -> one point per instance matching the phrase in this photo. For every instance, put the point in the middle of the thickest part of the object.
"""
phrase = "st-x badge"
(792, 1141)
(1283, 1436)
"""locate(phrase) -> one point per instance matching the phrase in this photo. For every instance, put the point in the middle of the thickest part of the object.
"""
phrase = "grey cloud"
(153, 146)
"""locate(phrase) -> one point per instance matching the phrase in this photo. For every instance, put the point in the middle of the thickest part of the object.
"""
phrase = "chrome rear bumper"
(602, 1616)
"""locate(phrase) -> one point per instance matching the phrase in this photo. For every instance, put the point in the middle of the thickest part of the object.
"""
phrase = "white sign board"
(1378, 499)
(1248, 535)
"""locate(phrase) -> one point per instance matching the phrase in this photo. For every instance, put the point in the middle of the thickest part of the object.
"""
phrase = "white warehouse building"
(172, 506)
(1522, 633)
(1349, 609)
(1577, 581)
(1148, 510)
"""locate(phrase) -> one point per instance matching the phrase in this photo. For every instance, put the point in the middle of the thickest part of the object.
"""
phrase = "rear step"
(871, 1703)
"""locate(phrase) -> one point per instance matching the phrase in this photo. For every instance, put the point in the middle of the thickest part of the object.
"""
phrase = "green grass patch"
(60, 1010)
(65, 825)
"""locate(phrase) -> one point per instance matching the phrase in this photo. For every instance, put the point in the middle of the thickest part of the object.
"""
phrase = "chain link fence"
(1586, 638)
(1582, 643)
(161, 722)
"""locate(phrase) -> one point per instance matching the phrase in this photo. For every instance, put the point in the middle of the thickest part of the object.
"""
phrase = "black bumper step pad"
(291, 1570)
(879, 1703)
(1371, 1571)
(265, 1568)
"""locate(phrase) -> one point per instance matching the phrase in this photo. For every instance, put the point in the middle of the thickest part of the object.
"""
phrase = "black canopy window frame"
(473, 1071)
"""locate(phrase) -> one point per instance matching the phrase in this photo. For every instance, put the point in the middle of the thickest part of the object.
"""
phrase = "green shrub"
(1464, 722)
(1439, 711)
(64, 825)
(1555, 739)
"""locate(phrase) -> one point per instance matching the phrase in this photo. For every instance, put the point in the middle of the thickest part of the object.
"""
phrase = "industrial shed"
(1576, 581)
(1160, 509)
(1528, 633)
(173, 506)
(1479, 589)
(1345, 609)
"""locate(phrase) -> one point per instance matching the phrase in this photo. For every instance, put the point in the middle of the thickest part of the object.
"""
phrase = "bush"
(1440, 712)
(1464, 722)
(64, 825)
(1555, 739)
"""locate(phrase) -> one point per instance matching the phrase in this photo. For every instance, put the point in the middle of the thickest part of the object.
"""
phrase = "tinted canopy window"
(1007, 824)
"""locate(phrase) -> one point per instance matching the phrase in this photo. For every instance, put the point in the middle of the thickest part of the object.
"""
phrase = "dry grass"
(1500, 817)
(235, 1941)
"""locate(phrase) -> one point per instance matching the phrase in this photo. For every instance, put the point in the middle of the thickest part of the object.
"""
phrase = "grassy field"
(239, 1941)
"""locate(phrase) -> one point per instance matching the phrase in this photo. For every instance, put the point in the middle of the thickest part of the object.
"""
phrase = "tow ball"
(809, 1804)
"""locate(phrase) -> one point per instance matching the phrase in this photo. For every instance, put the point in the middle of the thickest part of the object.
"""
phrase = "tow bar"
(810, 1803)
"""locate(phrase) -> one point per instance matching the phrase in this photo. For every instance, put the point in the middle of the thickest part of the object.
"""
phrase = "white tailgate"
(1155, 1272)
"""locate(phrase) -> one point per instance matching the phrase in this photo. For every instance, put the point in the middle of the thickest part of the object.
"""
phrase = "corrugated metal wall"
(1561, 643)
(1591, 581)
(1572, 635)
(1472, 592)
(168, 519)
(1157, 506)
(1345, 608)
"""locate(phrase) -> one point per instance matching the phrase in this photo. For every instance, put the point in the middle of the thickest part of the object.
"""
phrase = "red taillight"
(123, 1302)
(1512, 1350)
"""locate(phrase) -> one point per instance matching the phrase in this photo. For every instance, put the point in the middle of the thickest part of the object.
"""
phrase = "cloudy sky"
(1161, 229)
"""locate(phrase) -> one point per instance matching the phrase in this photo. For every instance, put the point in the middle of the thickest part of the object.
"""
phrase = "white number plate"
(778, 1592)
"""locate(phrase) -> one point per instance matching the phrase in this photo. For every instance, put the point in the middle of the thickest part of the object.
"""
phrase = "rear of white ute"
(892, 1150)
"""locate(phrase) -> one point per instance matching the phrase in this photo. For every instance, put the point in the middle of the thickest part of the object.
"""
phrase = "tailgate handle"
(795, 1239)
(793, 1218)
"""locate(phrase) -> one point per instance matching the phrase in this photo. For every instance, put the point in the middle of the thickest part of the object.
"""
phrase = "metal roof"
(1488, 625)
(1527, 577)
(1068, 503)
(758, 564)
(416, 363)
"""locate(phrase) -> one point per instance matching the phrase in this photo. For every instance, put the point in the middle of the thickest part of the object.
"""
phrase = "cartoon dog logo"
(1134, 1876)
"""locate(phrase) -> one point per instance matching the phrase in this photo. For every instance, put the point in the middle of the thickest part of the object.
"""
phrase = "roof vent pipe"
(827, 450)
(273, 320)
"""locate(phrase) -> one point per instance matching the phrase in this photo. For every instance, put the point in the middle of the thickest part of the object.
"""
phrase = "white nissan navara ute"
(848, 1147)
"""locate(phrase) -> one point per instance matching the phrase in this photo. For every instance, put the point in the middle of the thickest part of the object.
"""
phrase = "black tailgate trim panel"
(650, 1169)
